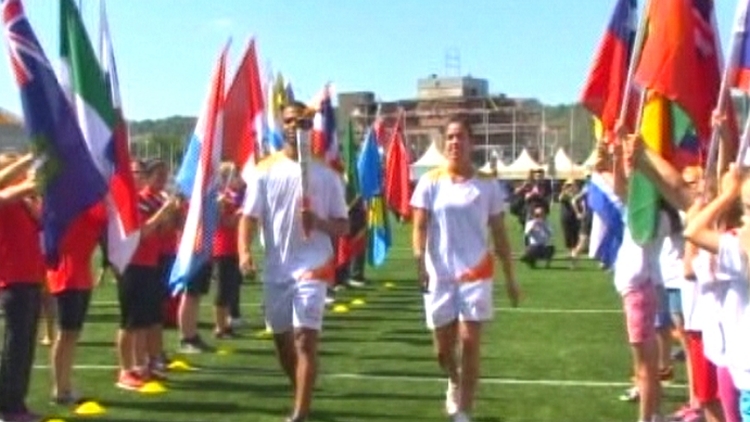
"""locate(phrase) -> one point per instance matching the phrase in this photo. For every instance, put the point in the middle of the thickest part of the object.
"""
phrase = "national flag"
(123, 232)
(275, 100)
(196, 244)
(740, 56)
(324, 142)
(243, 114)
(369, 169)
(397, 185)
(354, 243)
(289, 92)
(607, 226)
(72, 183)
(605, 88)
(680, 67)
(680, 59)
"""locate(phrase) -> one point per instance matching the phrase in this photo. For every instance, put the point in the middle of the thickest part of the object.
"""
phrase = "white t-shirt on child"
(735, 316)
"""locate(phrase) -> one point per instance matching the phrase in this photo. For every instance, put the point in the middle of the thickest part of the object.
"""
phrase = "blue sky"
(166, 49)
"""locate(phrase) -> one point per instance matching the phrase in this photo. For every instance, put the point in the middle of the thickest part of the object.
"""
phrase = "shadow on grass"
(102, 318)
(175, 407)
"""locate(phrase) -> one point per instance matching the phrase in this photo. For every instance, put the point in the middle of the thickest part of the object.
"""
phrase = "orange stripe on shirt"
(485, 269)
(326, 272)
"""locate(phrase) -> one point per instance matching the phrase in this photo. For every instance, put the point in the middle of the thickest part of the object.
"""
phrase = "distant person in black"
(569, 221)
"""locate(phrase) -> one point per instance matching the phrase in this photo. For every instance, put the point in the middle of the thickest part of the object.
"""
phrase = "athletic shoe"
(631, 395)
(194, 346)
(226, 334)
(295, 419)
(687, 414)
(66, 399)
(353, 282)
(130, 380)
(451, 399)
(461, 417)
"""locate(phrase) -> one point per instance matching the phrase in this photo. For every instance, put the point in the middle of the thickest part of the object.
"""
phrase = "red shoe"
(130, 380)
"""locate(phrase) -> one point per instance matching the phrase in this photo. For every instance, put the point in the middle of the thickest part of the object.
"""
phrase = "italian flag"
(93, 90)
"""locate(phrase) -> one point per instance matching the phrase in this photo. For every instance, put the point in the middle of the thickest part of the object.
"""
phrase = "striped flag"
(243, 114)
(196, 244)
(123, 232)
(325, 142)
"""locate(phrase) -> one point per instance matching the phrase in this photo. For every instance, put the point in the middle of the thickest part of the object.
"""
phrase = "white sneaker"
(461, 417)
(451, 399)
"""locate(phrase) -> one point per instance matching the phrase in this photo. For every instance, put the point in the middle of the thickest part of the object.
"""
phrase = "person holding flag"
(21, 275)
(299, 256)
(455, 210)
(140, 290)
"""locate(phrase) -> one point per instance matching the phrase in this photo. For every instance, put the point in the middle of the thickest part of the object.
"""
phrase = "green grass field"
(561, 356)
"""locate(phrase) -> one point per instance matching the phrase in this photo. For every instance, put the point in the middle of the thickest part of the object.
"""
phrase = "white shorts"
(449, 301)
(297, 304)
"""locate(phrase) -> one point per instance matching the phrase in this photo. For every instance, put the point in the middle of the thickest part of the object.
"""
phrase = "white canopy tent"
(520, 168)
(562, 167)
(429, 160)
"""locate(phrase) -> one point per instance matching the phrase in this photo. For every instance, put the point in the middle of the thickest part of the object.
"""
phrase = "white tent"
(491, 166)
(520, 168)
(429, 160)
(562, 167)
(589, 163)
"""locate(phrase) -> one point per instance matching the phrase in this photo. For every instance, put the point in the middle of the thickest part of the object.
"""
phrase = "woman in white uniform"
(455, 211)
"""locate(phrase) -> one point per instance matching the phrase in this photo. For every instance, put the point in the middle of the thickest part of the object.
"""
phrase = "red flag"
(605, 88)
(680, 58)
(243, 109)
(397, 184)
(123, 231)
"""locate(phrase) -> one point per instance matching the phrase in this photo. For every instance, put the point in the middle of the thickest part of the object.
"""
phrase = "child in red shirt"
(21, 275)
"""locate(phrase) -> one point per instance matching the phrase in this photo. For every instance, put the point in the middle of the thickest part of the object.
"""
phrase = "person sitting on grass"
(538, 235)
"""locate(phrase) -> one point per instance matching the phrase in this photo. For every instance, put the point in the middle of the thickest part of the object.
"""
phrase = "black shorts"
(229, 279)
(199, 283)
(140, 295)
(72, 307)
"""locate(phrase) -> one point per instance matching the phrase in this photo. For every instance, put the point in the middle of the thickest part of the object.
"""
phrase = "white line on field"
(110, 303)
(421, 379)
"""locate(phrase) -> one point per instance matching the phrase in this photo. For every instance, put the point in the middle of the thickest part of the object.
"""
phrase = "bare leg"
(286, 354)
(306, 342)
(63, 355)
(470, 335)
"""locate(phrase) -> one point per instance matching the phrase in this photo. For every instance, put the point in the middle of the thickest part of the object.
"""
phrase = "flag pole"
(635, 57)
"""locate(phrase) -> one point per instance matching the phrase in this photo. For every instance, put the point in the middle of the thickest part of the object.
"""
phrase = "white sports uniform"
(296, 270)
(457, 257)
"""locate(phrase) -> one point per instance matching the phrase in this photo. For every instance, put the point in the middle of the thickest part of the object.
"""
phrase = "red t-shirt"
(76, 250)
(21, 259)
(225, 237)
(149, 249)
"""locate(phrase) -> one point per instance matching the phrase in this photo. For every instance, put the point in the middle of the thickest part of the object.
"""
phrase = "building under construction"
(500, 125)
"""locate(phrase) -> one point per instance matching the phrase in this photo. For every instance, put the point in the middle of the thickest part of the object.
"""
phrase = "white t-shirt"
(704, 312)
(654, 262)
(735, 317)
(538, 232)
(458, 233)
(274, 196)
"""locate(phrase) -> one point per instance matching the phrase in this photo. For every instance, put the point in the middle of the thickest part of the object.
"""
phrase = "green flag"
(350, 161)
